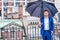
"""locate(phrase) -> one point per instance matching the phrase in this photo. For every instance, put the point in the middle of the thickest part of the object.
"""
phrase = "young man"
(47, 26)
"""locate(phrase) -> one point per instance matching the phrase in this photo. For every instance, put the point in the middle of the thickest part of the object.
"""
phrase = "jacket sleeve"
(52, 24)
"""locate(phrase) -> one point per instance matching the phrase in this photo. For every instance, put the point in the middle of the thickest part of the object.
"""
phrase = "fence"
(33, 33)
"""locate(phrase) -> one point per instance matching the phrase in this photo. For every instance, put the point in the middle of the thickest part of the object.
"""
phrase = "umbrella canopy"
(36, 8)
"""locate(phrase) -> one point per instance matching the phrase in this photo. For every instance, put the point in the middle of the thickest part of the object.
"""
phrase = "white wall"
(57, 3)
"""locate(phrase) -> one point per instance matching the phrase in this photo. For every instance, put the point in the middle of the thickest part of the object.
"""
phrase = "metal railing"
(33, 33)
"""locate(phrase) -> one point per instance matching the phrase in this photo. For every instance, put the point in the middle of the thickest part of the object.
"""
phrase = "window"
(6, 36)
(18, 35)
(0, 32)
(5, 0)
(0, 12)
(5, 3)
(17, 4)
(5, 8)
(12, 3)
(17, 0)
(12, 35)
(28, 0)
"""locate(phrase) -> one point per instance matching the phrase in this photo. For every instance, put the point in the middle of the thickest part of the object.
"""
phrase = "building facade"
(11, 30)
(57, 3)
(11, 9)
(14, 9)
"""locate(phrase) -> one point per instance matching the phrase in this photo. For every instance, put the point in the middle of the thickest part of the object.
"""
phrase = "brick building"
(14, 9)
(11, 9)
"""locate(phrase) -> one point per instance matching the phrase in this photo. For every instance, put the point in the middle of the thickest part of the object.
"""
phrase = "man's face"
(46, 13)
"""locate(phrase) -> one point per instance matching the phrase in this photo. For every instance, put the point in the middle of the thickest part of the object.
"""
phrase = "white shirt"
(46, 23)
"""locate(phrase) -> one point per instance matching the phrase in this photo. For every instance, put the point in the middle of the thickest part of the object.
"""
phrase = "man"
(47, 26)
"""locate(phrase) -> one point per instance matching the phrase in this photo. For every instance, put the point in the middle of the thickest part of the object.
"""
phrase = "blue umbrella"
(36, 8)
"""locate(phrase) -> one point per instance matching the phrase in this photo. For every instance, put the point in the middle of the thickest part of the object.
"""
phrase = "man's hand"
(40, 24)
(51, 32)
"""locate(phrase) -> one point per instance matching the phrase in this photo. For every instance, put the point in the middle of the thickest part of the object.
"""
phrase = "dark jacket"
(51, 24)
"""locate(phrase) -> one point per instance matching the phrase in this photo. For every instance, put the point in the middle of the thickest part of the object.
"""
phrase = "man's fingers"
(40, 23)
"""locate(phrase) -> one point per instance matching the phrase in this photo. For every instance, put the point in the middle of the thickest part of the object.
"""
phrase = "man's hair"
(45, 11)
